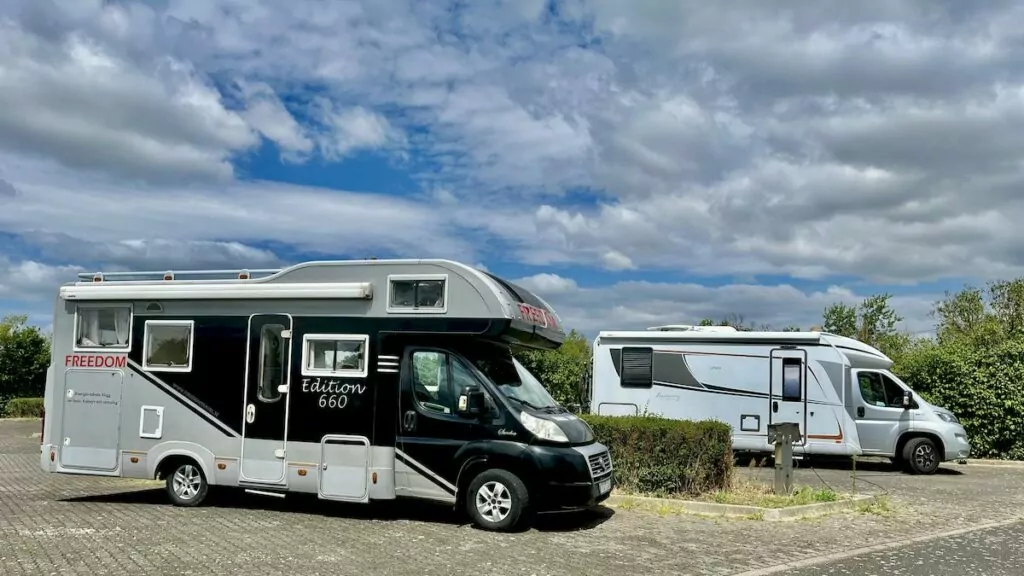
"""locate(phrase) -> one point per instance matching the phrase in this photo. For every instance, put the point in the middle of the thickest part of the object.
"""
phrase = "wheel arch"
(901, 443)
(475, 464)
(165, 455)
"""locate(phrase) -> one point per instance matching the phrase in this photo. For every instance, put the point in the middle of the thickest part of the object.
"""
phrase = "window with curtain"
(103, 327)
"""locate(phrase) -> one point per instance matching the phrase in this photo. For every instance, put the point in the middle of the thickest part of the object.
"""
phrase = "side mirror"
(471, 402)
(908, 399)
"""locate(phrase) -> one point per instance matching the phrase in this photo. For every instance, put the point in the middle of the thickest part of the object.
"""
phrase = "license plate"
(605, 486)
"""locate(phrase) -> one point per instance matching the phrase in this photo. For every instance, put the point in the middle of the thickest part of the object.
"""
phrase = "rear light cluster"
(42, 426)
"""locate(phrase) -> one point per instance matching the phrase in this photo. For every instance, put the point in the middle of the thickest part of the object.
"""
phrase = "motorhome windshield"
(514, 380)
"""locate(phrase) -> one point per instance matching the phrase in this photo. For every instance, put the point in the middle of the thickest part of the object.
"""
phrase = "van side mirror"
(908, 399)
(471, 402)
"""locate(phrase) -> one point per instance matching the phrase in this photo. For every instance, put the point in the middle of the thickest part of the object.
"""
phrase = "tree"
(841, 319)
(24, 358)
(969, 317)
(873, 322)
(560, 370)
(1007, 300)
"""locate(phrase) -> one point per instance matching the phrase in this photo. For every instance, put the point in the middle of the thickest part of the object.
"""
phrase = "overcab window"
(341, 355)
(167, 346)
(103, 327)
(417, 293)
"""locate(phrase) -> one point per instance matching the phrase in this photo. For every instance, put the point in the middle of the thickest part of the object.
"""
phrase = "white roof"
(823, 338)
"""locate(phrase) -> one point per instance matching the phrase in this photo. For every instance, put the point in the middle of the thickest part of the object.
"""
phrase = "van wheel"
(497, 500)
(186, 484)
(921, 456)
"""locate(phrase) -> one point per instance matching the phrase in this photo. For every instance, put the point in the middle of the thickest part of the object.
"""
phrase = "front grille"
(600, 464)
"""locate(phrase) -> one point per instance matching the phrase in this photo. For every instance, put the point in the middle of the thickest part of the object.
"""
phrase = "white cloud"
(265, 112)
(348, 130)
(634, 305)
(151, 253)
(89, 107)
(105, 211)
(33, 281)
(718, 138)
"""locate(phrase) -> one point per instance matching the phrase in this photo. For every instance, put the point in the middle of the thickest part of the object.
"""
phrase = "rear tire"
(921, 456)
(186, 484)
(498, 500)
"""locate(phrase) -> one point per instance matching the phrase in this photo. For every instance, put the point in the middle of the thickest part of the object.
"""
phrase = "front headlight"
(544, 429)
(946, 417)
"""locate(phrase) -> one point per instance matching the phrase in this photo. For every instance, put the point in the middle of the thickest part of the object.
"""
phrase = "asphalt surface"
(62, 524)
(991, 552)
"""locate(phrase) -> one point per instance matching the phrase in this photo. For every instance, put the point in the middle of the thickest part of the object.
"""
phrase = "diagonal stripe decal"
(184, 400)
(426, 472)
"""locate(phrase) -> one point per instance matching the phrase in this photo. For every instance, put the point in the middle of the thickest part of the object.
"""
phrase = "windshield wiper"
(527, 404)
(554, 409)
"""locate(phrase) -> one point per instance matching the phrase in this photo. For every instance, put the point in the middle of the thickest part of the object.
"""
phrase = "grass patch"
(745, 493)
(882, 506)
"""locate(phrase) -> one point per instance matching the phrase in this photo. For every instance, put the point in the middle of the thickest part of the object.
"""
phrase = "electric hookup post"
(784, 435)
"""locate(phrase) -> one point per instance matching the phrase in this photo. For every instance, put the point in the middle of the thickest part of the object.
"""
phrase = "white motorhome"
(352, 380)
(838, 390)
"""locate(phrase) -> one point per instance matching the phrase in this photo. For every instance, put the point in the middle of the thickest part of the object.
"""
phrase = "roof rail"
(149, 275)
(690, 327)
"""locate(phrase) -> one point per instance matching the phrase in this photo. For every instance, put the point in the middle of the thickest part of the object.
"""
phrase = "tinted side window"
(893, 392)
(430, 384)
(871, 388)
(273, 352)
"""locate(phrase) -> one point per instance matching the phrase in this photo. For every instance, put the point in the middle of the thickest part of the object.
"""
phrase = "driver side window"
(871, 388)
(438, 379)
(880, 390)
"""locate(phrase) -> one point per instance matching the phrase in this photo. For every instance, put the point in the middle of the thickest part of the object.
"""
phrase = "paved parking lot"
(74, 524)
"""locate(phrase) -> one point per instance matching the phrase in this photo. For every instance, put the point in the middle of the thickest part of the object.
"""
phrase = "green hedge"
(982, 385)
(24, 408)
(661, 456)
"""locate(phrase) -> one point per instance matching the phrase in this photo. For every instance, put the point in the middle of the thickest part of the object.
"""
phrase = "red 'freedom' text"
(95, 361)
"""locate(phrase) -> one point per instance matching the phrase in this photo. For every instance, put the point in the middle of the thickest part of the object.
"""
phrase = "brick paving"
(52, 524)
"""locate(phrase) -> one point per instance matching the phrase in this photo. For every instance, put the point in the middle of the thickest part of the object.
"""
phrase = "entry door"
(91, 419)
(881, 417)
(265, 416)
(788, 396)
(430, 432)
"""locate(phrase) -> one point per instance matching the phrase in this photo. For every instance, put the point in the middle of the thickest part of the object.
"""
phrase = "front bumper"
(574, 495)
(959, 448)
(572, 478)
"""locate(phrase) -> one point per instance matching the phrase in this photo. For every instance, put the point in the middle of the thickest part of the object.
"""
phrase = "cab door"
(881, 417)
(430, 430)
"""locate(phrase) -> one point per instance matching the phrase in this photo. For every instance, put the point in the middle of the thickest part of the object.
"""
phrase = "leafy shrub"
(24, 408)
(982, 385)
(662, 456)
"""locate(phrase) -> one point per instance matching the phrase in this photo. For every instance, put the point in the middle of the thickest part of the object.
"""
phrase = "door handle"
(775, 406)
(860, 411)
(250, 413)
(409, 421)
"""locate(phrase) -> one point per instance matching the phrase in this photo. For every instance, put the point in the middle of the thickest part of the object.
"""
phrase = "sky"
(635, 163)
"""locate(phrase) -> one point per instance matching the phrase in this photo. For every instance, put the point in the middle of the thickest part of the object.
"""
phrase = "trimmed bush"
(24, 408)
(983, 386)
(662, 456)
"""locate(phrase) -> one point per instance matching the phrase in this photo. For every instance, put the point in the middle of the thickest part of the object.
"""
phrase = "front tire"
(921, 456)
(498, 500)
(186, 484)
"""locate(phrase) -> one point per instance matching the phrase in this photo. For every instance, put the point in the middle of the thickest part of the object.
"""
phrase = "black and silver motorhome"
(353, 380)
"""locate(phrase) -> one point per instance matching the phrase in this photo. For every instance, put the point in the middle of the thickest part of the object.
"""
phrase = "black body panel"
(217, 381)
(382, 406)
